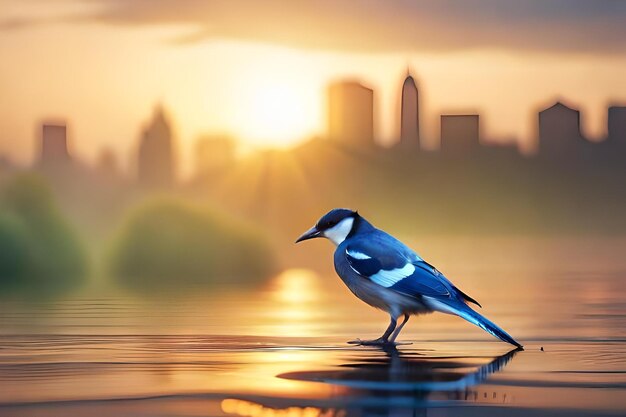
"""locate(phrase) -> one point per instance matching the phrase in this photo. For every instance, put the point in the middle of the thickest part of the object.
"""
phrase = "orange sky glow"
(104, 77)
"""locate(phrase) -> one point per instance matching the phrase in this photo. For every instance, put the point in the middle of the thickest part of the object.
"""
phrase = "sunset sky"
(258, 70)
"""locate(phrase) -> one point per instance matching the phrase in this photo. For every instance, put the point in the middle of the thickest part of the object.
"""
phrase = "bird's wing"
(387, 263)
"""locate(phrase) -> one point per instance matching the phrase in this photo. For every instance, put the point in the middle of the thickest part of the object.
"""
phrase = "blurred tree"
(13, 250)
(38, 245)
(172, 242)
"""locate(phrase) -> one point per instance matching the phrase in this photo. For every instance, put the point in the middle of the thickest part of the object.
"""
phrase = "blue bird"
(386, 274)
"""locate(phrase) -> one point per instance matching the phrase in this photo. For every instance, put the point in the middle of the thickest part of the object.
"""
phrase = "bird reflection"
(398, 371)
(386, 382)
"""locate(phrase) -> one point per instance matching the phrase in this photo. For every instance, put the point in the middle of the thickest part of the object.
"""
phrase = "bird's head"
(335, 225)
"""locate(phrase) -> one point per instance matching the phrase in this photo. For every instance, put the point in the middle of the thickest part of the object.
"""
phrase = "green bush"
(37, 245)
(13, 250)
(167, 241)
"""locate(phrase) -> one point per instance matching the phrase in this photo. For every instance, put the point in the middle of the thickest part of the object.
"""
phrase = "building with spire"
(409, 114)
(155, 163)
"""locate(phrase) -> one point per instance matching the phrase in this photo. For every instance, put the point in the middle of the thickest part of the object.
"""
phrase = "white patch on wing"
(339, 232)
(388, 278)
(357, 255)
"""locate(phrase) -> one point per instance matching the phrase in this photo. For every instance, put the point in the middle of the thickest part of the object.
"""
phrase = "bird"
(388, 275)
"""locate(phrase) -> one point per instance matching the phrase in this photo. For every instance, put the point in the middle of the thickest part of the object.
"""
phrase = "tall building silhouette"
(559, 129)
(617, 124)
(409, 114)
(155, 164)
(54, 152)
(459, 134)
(351, 113)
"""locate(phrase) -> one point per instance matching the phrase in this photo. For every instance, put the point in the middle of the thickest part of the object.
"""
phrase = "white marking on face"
(389, 278)
(339, 232)
(358, 255)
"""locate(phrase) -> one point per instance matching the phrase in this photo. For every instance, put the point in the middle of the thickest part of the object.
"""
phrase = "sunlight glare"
(277, 113)
(296, 287)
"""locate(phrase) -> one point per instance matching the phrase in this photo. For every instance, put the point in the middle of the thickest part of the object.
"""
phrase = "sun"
(278, 114)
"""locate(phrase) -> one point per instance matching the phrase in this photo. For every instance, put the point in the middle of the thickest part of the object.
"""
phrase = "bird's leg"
(399, 329)
(383, 340)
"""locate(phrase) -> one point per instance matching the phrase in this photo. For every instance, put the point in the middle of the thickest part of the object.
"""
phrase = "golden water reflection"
(294, 308)
(245, 408)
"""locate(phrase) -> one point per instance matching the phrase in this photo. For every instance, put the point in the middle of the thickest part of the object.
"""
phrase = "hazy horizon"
(217, 70)
(267, 88)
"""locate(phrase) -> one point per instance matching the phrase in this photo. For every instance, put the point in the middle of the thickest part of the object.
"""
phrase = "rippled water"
(279, 350)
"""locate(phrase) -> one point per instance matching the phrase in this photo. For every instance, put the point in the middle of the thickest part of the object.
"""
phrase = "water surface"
(278, 350)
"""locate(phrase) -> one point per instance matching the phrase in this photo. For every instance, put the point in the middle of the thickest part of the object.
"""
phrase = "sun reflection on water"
(295, 296)
(250, 409)
(296, 286)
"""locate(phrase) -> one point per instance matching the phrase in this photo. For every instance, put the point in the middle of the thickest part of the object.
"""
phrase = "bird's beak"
(309, 234)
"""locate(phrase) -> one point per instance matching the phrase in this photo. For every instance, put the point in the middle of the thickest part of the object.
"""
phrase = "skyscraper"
(617, 124)
(459, 134)
(351, 113)
(559, 129)
(155, 164)
(409, 115)
(54, 152)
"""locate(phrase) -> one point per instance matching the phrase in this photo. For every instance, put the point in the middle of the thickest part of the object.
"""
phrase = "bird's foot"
(376, 342)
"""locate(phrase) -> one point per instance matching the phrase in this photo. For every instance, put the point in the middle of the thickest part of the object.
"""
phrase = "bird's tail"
(466, 312)
(487, 325)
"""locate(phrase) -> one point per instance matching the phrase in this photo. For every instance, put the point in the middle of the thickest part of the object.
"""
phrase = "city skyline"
(267, 88)
(427, 142)
(350, 122)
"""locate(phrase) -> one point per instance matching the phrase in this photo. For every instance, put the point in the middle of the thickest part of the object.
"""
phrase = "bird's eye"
(326, 225)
